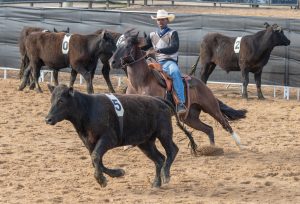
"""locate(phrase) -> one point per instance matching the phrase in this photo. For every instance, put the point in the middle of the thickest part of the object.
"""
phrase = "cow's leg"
(150, 150)
(206, 70)
(257, 77)
(31, 82)
(105, 73)
(55, 76)
(36, 74)
(72, 77)
(89, 83)
(171, 150)
(25, 78)
(102, 146)
(245, 76)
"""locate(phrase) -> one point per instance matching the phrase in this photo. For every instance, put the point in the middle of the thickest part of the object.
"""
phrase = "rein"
(124, 64)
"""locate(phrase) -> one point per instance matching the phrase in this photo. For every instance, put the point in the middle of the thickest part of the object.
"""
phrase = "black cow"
(97, 124)
(255, 50)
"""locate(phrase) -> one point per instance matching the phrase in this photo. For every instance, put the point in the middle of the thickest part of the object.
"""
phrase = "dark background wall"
(282, 69)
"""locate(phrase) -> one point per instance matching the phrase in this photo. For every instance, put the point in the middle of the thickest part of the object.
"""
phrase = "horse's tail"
(230, 113)
(187, 133)
(24, 64)
(193, 69)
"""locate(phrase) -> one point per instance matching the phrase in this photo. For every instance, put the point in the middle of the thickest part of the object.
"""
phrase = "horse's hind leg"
(193, 121)
(105, 73)
(150, 150)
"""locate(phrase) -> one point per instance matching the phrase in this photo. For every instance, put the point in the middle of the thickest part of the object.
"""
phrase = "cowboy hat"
(161, 14)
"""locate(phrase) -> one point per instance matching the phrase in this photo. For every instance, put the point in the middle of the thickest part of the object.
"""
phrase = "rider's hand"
(150, 52)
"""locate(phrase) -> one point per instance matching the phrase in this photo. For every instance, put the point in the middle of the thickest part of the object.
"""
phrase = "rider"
(165, 42)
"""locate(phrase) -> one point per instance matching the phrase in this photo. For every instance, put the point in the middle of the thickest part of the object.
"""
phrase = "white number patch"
(117, 104)
(65, 43)
(237, 45)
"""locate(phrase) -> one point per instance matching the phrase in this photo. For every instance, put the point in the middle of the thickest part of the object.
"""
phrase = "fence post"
(128, 3)
(90, 5)
(145, 2)
(172, 3)
(107, 4)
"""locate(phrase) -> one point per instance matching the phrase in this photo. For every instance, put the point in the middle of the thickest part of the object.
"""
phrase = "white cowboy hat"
(163, 14)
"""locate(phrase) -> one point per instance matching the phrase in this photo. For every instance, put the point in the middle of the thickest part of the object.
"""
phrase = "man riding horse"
(165, 42)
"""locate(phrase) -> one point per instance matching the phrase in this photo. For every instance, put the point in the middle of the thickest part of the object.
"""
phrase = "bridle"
(130, 60)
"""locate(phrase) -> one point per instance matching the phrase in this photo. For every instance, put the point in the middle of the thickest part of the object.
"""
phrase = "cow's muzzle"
(49, 121)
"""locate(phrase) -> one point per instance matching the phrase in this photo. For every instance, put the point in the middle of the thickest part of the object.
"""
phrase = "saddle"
(166, 82)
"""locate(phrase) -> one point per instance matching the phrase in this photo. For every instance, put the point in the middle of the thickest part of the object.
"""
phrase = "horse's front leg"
(257, 77)
(105, 73)
(245, 76)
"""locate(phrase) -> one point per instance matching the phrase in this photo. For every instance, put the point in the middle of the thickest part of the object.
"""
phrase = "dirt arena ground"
(49, 164)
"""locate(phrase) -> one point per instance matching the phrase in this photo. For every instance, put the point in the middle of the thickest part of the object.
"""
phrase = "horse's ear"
(50, 87)
(145, 35)
(54, 29)
(71, 91)
(68, 30)
(266, 25)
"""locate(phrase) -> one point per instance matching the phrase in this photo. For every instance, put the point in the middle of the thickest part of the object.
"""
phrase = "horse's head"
(127, 51)
(107, 44)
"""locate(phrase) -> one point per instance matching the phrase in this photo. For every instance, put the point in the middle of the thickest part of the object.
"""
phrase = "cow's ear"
(54, 29)
(266, 25)
(50, 87)
(103, 34)
(71, 91)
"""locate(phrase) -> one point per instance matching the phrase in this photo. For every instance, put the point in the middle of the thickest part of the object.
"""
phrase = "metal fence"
(291, 3)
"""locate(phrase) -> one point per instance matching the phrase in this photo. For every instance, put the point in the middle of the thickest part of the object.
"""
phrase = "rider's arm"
(173, 47)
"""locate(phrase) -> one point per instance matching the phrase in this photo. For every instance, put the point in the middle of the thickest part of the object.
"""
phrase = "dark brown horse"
(24, 60)
(141, 80)
(45, 49)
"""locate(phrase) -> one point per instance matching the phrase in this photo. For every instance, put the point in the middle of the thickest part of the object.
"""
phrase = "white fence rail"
(286, 89)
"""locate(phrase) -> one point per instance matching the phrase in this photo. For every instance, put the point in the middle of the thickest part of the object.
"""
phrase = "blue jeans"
(172, 69)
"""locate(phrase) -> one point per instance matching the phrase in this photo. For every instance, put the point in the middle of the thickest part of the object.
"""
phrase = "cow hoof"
(156, 184)
(116, 172)
(165, 175)
(101, 180)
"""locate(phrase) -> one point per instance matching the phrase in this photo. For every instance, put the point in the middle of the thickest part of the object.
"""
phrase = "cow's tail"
(230, 113)
(193, 69)
(179, 124)
(24, 64)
